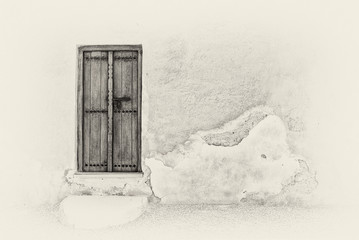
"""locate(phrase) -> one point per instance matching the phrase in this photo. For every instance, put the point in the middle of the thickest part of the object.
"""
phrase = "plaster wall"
(204, 65)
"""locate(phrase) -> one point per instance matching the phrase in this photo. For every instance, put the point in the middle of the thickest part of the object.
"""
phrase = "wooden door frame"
(80, 101)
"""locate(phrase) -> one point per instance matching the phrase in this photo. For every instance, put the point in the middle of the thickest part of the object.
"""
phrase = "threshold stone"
(93, 212)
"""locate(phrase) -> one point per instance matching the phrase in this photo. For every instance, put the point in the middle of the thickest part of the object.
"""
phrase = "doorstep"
(112, 175)
(109, 183)
(93, 212)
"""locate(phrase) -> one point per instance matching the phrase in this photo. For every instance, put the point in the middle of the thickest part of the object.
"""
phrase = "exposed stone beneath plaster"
(255, 164)
(239, 128)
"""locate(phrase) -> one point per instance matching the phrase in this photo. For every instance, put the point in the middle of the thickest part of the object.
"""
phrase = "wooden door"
(109, 109)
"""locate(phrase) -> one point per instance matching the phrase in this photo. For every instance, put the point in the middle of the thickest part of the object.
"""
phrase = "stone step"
(94, 212)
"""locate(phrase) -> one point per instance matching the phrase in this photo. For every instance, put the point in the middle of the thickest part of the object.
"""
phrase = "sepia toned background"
(204, 64)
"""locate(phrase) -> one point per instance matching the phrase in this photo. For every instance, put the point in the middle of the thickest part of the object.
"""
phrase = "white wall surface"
(204, 64)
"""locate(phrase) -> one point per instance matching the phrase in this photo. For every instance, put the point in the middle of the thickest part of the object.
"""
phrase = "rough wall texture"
(197, 83)
(191, 83)
(228, 136)
(199, 72)
(260, 167)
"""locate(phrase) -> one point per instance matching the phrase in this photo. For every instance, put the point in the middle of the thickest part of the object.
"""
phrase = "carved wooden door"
(109, 108)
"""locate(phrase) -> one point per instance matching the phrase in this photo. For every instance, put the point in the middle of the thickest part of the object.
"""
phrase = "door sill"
(109, 183)
(87, 175)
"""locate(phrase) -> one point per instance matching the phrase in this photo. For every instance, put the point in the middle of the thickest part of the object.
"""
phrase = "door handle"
(117, 102)
(122, 99)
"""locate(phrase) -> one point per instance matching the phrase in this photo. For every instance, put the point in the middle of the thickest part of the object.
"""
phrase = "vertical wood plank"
(110, 110)
(139, 109)
(117, 130)
(87, 105)
(126, 87)
(103, 115)
(95, 125)
(134, 119)
(79, 92)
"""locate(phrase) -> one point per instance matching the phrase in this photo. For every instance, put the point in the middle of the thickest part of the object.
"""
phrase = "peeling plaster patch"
(239, 128)
(297, 189)
(294, 120)
(198, 172)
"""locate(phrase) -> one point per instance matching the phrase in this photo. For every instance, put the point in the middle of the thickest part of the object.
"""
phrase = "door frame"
(80, 101)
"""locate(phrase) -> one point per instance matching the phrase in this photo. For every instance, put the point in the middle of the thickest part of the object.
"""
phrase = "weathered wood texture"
(139, 109)
(109, 130)
(80, 118)
(125, 132)
(110, 113)
(95, 111)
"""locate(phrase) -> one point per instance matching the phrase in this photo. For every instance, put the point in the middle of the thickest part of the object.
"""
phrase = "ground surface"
(195, 222)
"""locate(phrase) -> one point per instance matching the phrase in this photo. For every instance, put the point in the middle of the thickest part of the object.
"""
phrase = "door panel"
(109, 80)
(95, 111)
(125, 131)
